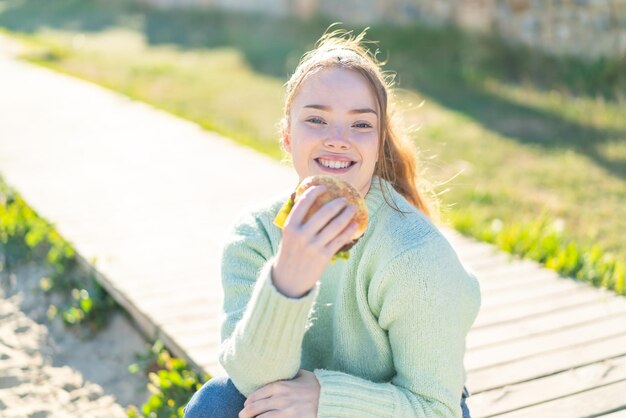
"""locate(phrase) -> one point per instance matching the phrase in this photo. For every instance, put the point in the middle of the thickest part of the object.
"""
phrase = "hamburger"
(335, 188)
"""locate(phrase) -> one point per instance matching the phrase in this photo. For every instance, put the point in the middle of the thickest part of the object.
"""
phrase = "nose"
(336, 138)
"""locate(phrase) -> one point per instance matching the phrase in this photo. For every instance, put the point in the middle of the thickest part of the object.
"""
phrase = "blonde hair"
(397, 155)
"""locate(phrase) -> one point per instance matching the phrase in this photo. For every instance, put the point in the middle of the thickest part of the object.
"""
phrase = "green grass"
(505, 133)
(26, 237)
(543, 241)
(172, 383)
(192, 84)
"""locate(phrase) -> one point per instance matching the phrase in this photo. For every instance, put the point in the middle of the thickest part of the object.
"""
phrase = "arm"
(426, 301)
(262, 330)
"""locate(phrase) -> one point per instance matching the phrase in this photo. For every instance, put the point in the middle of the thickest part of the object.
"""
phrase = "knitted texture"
(384, 332)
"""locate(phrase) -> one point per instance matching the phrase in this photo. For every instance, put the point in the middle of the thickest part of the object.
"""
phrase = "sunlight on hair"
(398, 155)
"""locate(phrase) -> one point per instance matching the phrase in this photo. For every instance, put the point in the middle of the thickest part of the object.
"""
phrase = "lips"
(334, 170)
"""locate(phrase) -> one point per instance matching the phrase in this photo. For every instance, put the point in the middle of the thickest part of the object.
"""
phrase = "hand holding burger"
(322, 220)
(334, 188)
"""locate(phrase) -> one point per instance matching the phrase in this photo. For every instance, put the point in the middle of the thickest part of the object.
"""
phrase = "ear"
(286, 140)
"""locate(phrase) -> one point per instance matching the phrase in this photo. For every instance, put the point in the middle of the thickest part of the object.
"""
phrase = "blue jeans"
(219, 398)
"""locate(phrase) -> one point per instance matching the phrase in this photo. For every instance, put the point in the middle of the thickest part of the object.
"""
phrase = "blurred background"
(523, 101)
(518, 107)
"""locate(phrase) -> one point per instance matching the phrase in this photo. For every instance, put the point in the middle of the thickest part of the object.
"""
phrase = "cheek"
(307, 138)
(304, 132)
(311, 132)
(369, 145)
(301, 142)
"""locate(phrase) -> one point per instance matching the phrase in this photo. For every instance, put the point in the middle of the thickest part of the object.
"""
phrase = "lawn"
(506, 134)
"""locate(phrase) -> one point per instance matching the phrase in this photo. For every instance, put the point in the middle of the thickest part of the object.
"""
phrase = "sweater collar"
(374, 198)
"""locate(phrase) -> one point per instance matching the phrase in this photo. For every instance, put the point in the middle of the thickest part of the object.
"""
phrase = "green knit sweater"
(384, 332)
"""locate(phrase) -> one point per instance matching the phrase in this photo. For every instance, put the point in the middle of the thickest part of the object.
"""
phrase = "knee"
(217, 398)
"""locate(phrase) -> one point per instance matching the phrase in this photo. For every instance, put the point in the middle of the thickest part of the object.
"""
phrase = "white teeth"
(334, 164)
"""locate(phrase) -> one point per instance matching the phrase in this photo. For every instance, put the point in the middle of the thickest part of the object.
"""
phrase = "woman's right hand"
(306, 248)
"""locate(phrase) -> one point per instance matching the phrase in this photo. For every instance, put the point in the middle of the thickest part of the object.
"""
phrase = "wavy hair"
(397, 154)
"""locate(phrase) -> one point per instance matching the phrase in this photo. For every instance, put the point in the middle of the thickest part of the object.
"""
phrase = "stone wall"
(588, 28)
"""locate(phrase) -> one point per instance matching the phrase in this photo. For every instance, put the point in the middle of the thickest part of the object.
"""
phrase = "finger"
(336, 227)
(264, 392)
(324, 216)
(245, 413)
(259, 407)
(301, 208)
(342, 239)
(272, 414)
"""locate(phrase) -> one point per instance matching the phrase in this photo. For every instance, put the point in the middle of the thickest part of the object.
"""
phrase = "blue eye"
(363, 125)
(315, 120)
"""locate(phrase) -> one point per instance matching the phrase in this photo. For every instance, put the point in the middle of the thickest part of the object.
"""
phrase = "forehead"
(338, 88)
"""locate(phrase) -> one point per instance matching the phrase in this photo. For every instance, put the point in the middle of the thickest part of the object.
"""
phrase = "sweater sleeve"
(426, 302)
(262, 329)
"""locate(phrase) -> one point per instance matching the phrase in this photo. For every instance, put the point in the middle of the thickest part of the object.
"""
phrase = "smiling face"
(333, 127)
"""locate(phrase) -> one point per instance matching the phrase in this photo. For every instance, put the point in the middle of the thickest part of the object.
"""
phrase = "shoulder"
(414, 256)
(426, 278)
(419, 246)
(259, 214)
(397, 227)
(416, 246)
(254, 224)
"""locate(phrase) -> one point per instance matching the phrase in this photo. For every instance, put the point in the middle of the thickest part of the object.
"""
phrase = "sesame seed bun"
(335, 188)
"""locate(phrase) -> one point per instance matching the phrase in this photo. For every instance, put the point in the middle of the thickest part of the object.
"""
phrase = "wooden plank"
(563, 338)
(566, 383)
(508, 282)
(178, 300)
(515, 268)
(526, 327)
(517, 279)
(207, 354)
(617, 414)
(198, 341)
(590, 403)
(163, 314)
(545, 364)
(586, 295)
(199, 326)
(487, 261)
(468, 247)
(161, 289)
(549, 289)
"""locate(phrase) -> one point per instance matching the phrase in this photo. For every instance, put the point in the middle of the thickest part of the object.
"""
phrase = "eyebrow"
(353, 111)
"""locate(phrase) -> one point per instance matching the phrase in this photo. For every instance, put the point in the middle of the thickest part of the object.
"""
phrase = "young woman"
(381, 334)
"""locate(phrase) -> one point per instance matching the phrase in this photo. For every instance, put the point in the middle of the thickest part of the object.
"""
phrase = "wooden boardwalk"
(150, 197)
(542, 346)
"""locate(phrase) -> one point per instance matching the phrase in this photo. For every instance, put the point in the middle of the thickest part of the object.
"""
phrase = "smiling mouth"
(335, 166)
